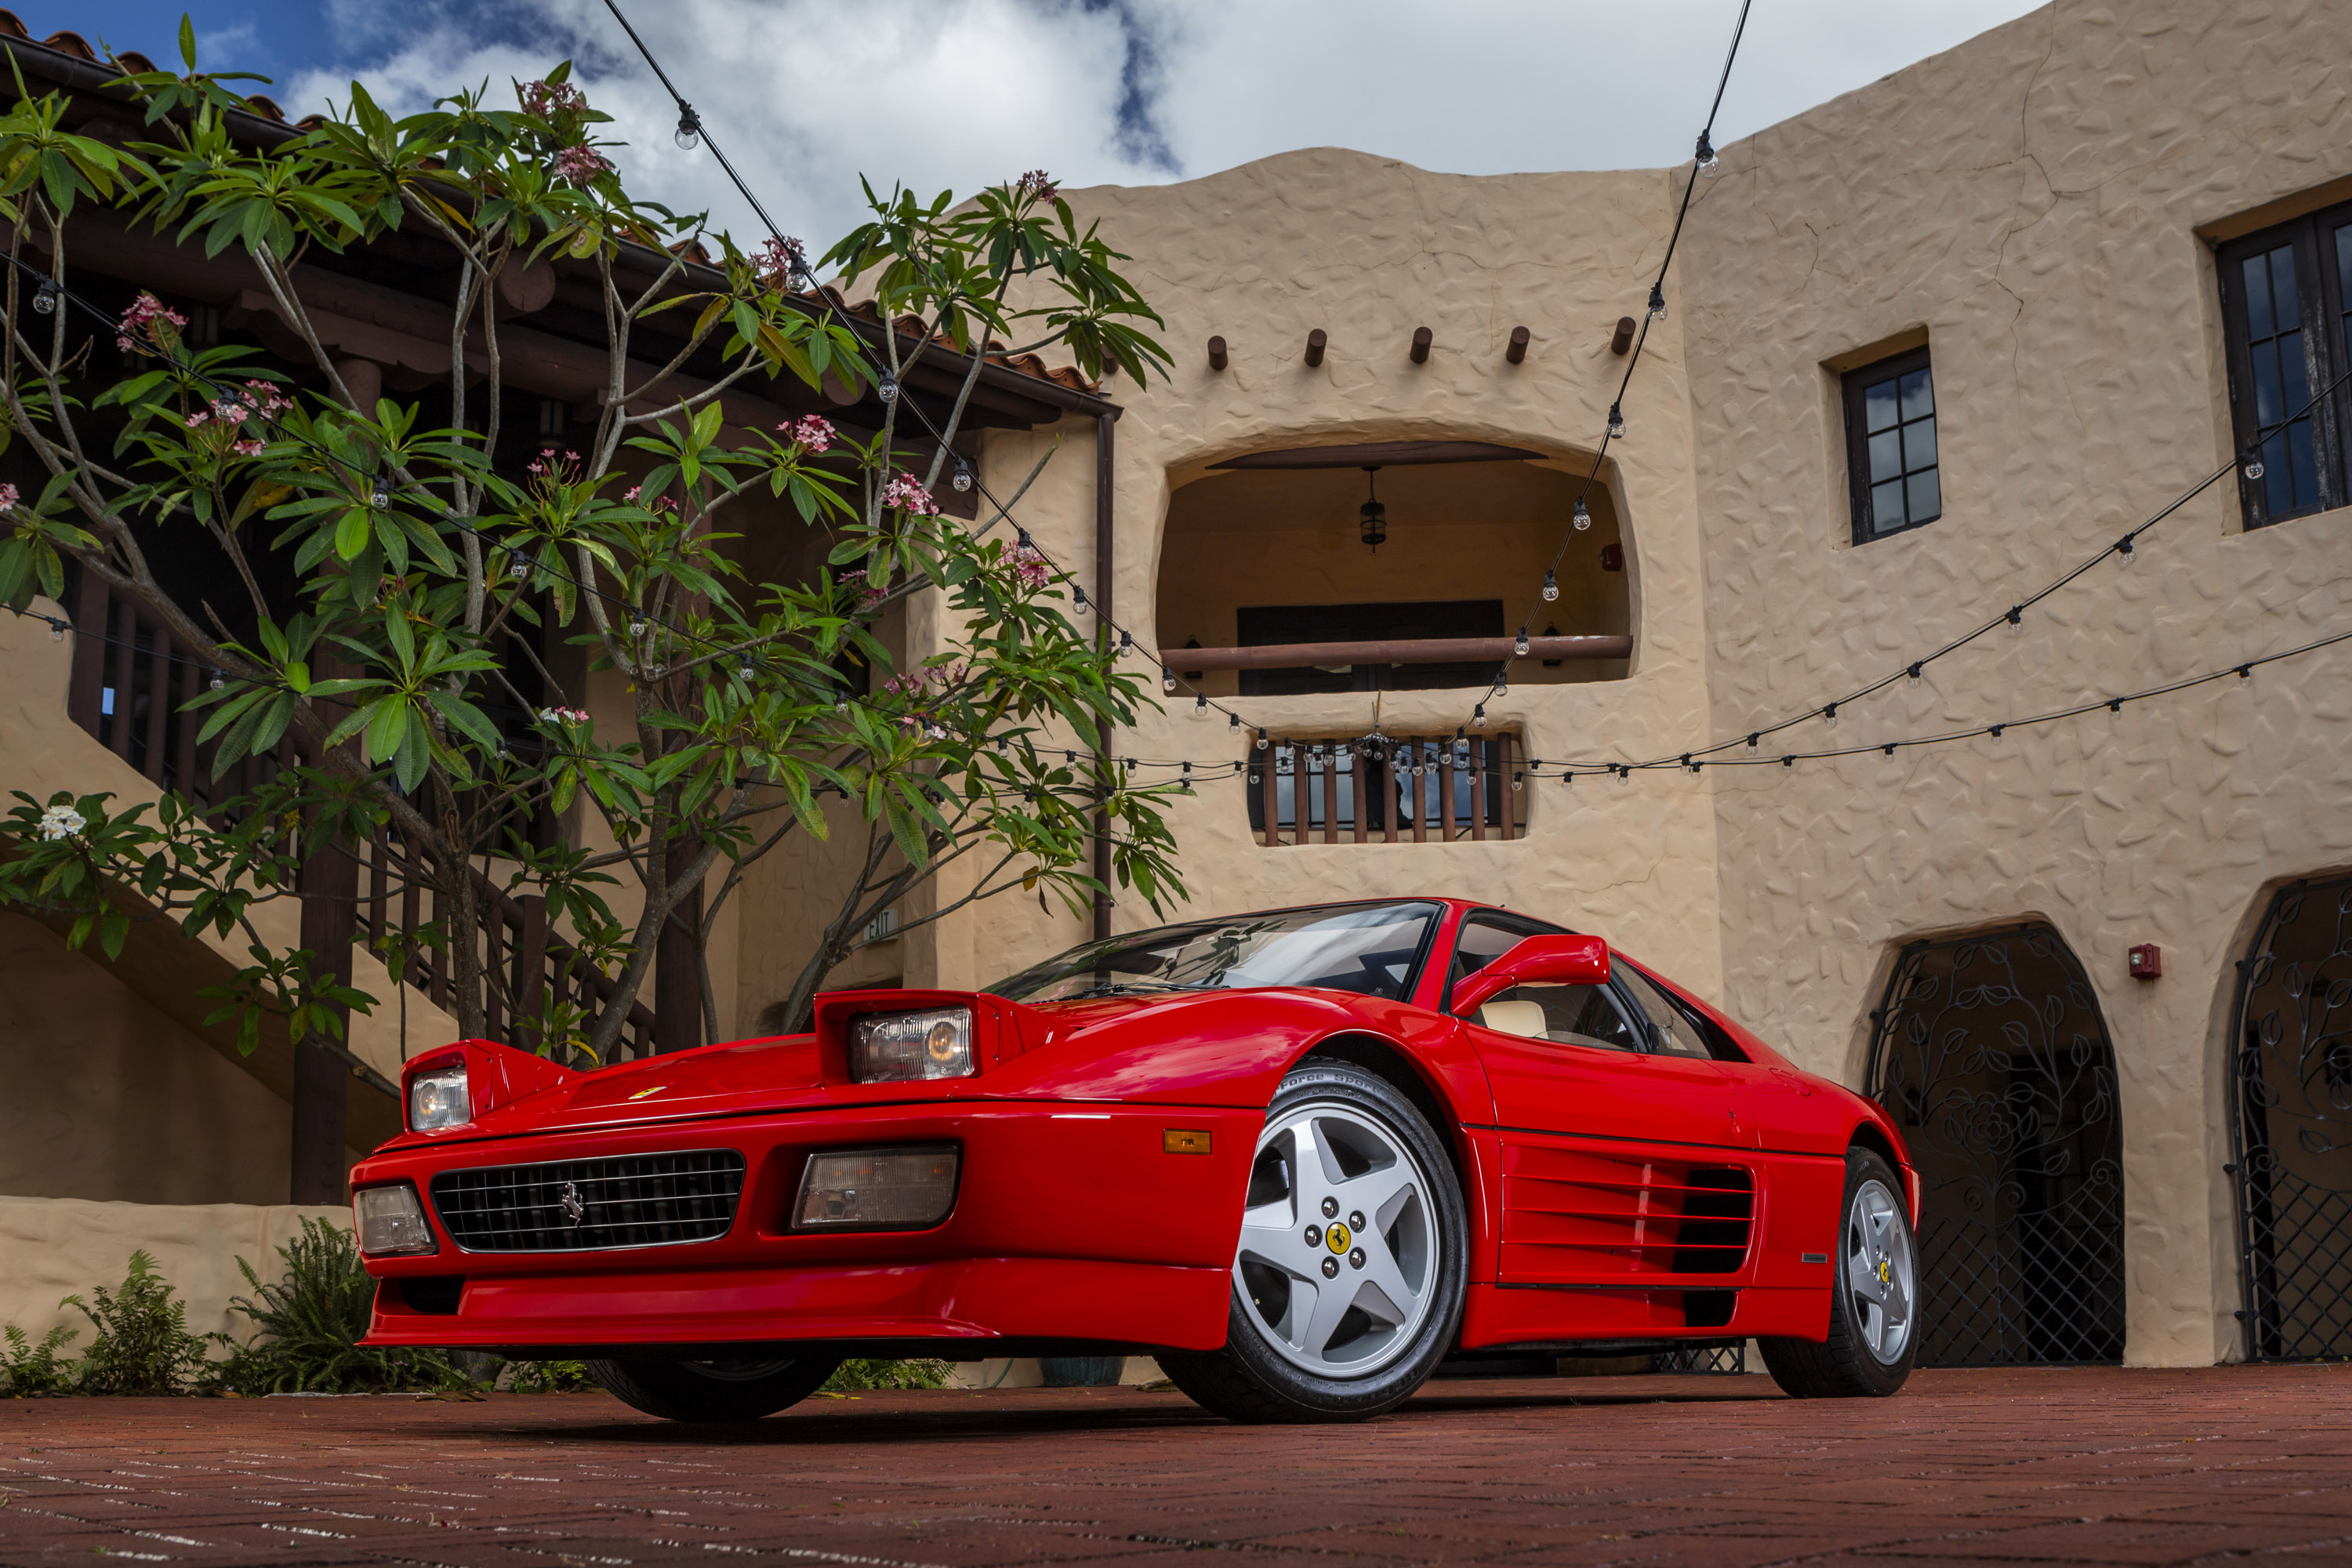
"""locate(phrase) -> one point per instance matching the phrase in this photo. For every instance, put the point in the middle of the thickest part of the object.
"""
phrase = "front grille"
(587, 1206)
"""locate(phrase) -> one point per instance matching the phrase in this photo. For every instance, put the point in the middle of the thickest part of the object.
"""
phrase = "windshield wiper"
(1133, 987)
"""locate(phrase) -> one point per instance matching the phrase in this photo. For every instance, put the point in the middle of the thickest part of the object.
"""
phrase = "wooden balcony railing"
(129, 689)
(1389, 790)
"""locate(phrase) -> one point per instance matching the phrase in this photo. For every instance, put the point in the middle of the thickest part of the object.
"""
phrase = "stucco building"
(1927, 348)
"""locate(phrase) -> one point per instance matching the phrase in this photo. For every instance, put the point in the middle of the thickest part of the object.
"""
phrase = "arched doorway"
(1991, 1056)
(2291, 1087)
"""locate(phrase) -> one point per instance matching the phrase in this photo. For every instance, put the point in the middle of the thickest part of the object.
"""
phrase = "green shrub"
(548, 1377)
(311, 1322)
(27, 1368)
(143, 1344)
(858, 1373)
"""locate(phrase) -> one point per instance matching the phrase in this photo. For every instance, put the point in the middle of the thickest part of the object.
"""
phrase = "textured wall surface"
(2033, 200)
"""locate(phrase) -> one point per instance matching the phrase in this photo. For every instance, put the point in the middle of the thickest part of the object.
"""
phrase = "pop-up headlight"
(438, 1099)
(910, 1187)
(884, 1048)
(391, 1223)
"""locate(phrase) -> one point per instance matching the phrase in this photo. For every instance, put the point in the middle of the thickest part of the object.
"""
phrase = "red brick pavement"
(2104, 1466)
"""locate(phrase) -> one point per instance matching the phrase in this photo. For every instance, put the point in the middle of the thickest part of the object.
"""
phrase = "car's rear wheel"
(1873, 1302)
(713, 1390)
(1347, 1283)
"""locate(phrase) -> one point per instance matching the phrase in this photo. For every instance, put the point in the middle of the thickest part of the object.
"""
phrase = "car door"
(1613, 1150)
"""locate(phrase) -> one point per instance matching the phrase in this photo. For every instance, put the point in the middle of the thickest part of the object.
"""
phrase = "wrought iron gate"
(1990, 1055)
(2291, 1085)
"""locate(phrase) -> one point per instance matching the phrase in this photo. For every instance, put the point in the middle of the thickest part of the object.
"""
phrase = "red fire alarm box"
(2146, 960)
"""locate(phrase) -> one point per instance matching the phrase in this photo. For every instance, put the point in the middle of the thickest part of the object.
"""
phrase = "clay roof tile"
(266, 108)
(12, 26)
(69, 43)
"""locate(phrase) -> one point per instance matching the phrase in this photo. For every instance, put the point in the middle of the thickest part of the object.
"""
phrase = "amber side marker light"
(1184, 1140)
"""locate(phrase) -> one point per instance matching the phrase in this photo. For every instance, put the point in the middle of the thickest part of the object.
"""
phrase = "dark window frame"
(2321, 261)
(1857, 439)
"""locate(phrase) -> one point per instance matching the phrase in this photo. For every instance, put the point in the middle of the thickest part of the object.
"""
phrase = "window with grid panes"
(1890, 424)
(2286, 308)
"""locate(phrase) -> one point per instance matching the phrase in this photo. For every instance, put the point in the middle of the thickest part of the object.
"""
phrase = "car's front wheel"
(1347, 1283)
(1873, 1302)
(713, 1390)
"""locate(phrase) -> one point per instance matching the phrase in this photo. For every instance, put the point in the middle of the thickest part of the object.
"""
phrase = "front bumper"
(1072, 1223)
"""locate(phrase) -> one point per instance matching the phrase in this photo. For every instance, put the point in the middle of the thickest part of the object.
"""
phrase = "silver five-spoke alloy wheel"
(1880, 1271)
(1339, 1246)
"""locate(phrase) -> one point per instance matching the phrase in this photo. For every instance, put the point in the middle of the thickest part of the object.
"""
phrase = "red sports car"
(1299, 1156)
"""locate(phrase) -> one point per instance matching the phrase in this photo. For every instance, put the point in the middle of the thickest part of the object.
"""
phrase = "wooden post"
(126, 674)
(159, 703)
(1316, 340)
(1517, 351)
(88, 652)
(1216, 353)
(1503, 782)
(1327, 784)
(1360, 776)
(1479, 791)
(1271, 796)
(1414, 782)
(1445, 786)
(329, 884)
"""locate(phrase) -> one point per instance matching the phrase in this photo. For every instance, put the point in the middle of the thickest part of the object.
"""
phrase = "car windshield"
(1369, 949)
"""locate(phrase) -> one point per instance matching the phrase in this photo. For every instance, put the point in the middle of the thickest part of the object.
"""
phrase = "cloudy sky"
(806, 95)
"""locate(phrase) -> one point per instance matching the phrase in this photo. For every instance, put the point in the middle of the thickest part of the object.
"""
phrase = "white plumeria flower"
(62, 822)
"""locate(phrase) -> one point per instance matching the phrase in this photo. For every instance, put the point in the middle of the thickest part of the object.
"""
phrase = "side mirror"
(1547, 960)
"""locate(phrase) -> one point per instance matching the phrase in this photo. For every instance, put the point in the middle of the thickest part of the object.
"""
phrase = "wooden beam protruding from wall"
(1216, 353)
(1421, 338)
(1624, 338)
(1519, 349)
(1316, 340)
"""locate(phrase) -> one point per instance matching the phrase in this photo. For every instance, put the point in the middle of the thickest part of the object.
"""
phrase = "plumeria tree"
(401, 690)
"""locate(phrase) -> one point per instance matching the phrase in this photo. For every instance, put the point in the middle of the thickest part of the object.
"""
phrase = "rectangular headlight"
(905, 1188)
(886, 1047)
(437, 1099)
(390, 1221)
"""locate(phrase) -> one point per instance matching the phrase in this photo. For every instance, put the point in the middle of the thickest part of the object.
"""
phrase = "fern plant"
(859, 1372)
(311, 1321)
(27, 1370)
(143, 1343)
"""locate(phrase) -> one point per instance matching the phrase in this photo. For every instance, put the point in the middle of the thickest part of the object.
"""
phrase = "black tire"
(1249, 1379)
(1848, 1366)
(713, 1390)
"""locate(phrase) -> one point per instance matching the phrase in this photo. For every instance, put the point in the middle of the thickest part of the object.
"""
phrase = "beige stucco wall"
(54, 1248)
(2032, 199)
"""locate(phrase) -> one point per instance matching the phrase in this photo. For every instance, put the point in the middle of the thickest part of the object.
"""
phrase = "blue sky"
(808, 94)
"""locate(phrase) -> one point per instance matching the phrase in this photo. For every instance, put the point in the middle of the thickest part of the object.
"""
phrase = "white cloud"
(806, 95)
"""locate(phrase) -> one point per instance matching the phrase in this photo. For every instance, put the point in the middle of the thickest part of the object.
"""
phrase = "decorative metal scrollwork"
(1991, 1056)
(2290, 1087)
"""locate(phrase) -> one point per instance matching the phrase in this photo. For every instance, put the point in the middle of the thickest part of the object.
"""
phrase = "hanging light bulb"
(1514, 780)
(1200, 705)
(1520, 647)
(1372, 518)
(1125, 641)
(520, 570)
(746, 666)
(1166, 681)
(1704, 155)
(887, 389)
(1261, 740)
(1912, 675)
(1550, 587)
(2127, 548)
(637, 623)
(1658, 301)
(2016, 619)
(56, 631)
(1584, 518)
(1478, 716)
(1616, 422)
(379, 497)
(1829, 715)
(2253, 469)
(1002, 745)
(1233, 720)
(963, 480)
(1995, 729)
(690, 128)
(1078, 600)
(1502, 682)
(1021, 539)
(45, 298)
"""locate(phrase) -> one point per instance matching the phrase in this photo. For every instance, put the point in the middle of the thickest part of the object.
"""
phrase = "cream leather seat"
(1514, 1018)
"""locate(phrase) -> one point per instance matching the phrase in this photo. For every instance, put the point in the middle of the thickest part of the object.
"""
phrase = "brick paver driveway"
(2045, 1466)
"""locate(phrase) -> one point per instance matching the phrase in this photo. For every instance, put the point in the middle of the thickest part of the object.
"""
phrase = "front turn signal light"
(888, 1047)
(910, 1187)
(390, 1221)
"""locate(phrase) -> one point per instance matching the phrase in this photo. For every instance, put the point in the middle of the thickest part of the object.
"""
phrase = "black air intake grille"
(588, 1205)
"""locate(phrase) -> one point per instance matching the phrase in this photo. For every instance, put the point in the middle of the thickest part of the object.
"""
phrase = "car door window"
(1569, 1015)
(1484, 938)
(1671, 1029)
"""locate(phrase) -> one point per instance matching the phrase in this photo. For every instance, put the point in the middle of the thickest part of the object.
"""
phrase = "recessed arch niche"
(1268, 547)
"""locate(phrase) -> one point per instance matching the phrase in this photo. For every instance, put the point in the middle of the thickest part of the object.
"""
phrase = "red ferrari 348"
(1299, 1156)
